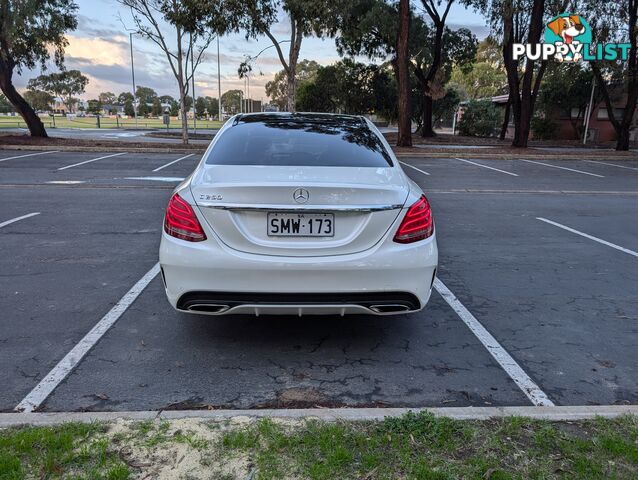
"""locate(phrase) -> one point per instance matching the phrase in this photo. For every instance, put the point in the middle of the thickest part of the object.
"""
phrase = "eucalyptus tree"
(32, 32)
(615, 22)
(183, 30)
(306, 18)
(67, 85)
(438, 41)
(522, 21)
(370, 28)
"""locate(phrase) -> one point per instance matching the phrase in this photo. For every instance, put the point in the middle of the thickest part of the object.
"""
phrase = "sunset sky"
(99, 48)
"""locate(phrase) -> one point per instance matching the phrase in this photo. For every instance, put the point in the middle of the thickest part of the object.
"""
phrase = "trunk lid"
(236, 202)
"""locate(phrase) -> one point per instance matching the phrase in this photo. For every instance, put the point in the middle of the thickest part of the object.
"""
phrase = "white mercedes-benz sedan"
(298, 214)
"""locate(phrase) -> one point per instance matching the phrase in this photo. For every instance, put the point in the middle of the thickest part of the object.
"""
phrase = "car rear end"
(298, 214)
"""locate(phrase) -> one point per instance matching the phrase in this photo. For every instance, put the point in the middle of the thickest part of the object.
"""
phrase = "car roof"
(279, 118)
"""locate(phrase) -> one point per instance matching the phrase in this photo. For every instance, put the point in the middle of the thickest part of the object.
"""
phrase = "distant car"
(298, 214)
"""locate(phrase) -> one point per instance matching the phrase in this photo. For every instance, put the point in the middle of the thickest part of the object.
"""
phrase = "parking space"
(562, 305)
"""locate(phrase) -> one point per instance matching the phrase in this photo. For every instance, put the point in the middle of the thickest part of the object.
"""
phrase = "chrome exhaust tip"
(208, 308)
(389, 308)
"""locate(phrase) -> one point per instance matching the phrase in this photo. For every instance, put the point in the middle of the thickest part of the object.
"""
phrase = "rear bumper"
(263, 284)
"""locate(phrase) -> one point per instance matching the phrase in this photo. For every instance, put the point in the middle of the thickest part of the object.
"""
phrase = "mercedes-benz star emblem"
(301, 195)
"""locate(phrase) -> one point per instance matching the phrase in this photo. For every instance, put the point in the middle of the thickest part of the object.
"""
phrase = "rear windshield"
(300, 142)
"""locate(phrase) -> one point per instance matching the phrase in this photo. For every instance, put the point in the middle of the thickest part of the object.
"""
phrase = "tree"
(277, 88)
(316, 96)
(428, 68)
(484, 80)
(95, 107)
(487, 78)
(521, 21)
(188, 101)
(231, 101)
(212, 105)
(522, 97)
(194, 22)
(404, 137)
(66, 84)
(31, 33)
(615, 22)
(433, 66)
(107, 98)
(566, 89)
(201, 107)
(143, 109)
(156, 109)
(345, 87)
(257, 17)
(145, 94)
(445, 107)
(129, 108)
(480, 119)
(124, 97)
(5, 106)
(370, 28)
(39, 99)
(386, 95)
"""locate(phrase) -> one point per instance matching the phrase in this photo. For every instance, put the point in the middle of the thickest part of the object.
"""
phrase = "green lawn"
(415, 446)
(91, 122)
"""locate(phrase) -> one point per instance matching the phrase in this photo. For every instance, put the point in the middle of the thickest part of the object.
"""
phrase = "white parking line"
(171, 163)
(564, 168)
(92, 160)
(27, 155)
(42, 390)
(591, 237)
(412, 166)
(504, 359)
(611, 164)
(157, 179)
(17, 219)
(485, 166)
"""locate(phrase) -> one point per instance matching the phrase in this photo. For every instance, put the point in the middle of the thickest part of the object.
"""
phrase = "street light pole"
(193, 83)
(133, 74)
(219, 85)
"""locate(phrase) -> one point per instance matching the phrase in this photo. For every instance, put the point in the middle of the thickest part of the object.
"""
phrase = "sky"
(100, 49)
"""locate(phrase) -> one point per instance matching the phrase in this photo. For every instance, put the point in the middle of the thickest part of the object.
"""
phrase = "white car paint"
(299, 275)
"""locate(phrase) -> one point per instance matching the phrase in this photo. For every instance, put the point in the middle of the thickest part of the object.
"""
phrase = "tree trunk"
(522, 98)
(182, 88)
(35, 125)
(506, 119)
(632, 83)
(290, 92)
(404, 138)
(427, 130)
(622, 144)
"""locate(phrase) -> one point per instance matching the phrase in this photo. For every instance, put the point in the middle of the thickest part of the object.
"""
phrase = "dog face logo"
(569, 30)
(567, 27)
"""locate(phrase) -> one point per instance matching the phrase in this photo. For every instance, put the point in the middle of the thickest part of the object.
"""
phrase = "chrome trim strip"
(305, 208)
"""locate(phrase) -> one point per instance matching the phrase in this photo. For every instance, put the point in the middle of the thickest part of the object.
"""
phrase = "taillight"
(417, 223)
(180, 221)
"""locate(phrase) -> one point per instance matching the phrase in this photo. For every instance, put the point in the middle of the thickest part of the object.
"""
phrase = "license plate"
(301, 224)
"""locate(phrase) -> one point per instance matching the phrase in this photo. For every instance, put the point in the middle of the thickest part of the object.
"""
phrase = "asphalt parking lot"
(540, 257)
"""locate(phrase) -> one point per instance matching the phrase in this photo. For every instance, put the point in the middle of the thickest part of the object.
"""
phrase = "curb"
(417, 154)
(564, 413)
(67, 148)
(510, 156)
